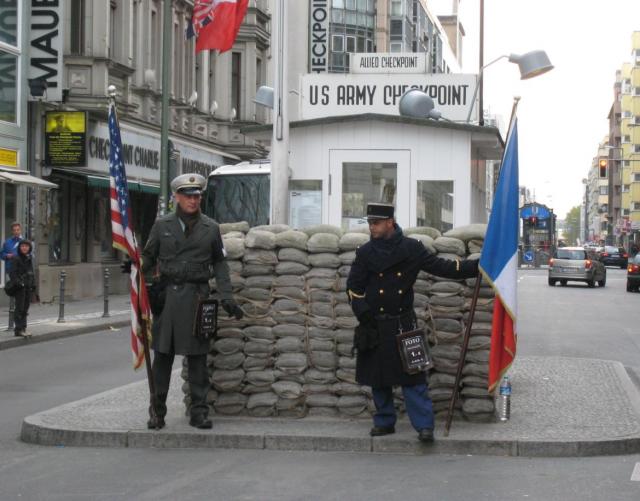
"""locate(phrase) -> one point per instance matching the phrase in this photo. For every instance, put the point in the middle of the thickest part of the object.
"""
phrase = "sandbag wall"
(291, 354)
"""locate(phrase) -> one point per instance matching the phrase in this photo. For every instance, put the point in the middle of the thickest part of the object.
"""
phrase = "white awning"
(22, 177)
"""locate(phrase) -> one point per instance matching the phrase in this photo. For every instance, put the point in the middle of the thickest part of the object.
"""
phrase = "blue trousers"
(416, 400)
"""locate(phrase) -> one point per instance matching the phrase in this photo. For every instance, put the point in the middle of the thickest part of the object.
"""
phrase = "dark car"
(633, 274)
(613, 256)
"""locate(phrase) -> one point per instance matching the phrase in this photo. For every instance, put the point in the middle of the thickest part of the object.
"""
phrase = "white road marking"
(635, 476)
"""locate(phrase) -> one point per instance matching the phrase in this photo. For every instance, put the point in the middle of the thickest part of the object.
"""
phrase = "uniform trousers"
(416, 400)
(198, 382)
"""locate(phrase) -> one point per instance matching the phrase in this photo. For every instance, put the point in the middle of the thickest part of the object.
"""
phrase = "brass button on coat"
(400, 291)
(380, 275)
(381, 291)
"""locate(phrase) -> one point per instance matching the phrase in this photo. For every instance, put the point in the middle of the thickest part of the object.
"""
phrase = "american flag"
(125, 240)
(202, 15)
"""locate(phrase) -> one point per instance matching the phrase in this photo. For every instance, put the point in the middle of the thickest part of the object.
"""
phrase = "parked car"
(613, 256)
(633, 274)
(577, 265)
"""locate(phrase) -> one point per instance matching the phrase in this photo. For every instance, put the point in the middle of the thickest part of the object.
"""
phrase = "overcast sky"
(562, 115)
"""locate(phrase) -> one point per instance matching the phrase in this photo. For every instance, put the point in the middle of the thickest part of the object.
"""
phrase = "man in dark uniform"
(183, 251)
(380, 289)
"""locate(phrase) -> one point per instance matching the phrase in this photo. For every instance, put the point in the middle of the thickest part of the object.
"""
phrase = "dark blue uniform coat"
(381, 281)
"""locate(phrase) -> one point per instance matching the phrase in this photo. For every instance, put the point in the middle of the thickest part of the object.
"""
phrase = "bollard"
(106, 292)
(63, 276)
(12, 310)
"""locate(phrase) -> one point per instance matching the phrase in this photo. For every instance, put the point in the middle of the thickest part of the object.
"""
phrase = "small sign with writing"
(413, 351)
(206, 322)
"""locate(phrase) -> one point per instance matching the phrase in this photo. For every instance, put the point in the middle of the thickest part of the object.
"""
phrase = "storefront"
(75, 222)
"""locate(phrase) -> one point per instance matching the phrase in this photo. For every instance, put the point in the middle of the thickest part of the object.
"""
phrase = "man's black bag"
(11, 287)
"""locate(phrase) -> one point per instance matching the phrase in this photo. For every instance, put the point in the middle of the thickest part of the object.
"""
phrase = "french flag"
(499, 262)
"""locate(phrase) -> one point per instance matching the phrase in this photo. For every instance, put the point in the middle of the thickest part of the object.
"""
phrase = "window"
(337, 43)
(635, 206)
(626, 139)
(625, 212)
(604, 190)
(364, 182)
(396, 7)
(636, 177)
(236, 59)
(435, 204)
(338, 4)
(337, 16)
(396, 28)
(626, 114)
(112, 29)
(8, 87)
(362, 5)
(395, 47)
(636, 148)
(351, 44)
(77, 27)
(9, 17)
(625, 188)
(350, 4)
(636, 91)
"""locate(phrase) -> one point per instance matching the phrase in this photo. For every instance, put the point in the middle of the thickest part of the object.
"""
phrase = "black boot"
(201, 421)
(155, 423)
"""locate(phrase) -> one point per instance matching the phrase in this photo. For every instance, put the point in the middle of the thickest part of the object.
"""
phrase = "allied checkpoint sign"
(338, 94)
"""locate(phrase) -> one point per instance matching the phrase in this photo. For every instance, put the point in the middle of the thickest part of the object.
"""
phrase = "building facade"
(119, 43)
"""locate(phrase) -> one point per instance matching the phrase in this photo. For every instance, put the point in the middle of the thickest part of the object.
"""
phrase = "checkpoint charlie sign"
(326, 95)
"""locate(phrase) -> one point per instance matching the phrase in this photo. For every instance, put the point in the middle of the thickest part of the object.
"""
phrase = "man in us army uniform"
(380, 289)
(183, 251)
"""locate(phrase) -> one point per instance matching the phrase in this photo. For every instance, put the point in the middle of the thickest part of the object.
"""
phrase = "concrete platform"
(560, 407)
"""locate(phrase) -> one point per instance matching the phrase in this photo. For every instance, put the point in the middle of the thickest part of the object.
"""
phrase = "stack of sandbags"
(291, 354)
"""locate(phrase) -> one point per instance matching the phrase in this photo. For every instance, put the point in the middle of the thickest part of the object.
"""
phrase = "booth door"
(358, 177)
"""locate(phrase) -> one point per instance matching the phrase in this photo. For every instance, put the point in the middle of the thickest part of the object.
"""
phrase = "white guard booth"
(436, 173)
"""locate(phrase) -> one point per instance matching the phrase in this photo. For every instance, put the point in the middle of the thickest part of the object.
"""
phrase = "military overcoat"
(186, 263)
(381, 281)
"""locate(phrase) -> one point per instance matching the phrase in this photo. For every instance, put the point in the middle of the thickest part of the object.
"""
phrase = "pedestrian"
(22, 273)
(380, 289)
(184, 251)
(10, 246)
(633, 249)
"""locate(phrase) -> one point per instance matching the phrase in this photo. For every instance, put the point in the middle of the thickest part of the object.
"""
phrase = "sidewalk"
(80, 317)
(560, 407)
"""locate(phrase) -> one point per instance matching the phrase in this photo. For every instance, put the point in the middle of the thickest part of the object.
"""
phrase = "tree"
(572, 225)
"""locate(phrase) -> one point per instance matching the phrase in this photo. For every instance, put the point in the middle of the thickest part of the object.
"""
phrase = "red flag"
(125, 240)
(221, 32)
(503, 344)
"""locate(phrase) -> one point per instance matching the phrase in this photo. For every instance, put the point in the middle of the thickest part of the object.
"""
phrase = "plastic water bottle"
(503, 405)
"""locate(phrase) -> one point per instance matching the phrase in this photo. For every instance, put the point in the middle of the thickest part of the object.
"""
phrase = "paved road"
(38, 377)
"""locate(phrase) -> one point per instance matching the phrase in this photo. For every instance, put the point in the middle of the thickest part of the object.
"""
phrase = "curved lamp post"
(531, 64)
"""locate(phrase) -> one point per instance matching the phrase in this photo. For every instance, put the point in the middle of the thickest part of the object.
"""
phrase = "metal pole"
(12, 311)
(164, 132)
(481, 65)
(280, 138)
(106, 292)
(63, 276)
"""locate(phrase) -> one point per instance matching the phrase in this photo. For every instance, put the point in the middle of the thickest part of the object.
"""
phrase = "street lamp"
(531, 64)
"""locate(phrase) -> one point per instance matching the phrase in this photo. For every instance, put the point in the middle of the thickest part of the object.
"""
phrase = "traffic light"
(603, 167)
(533, 220)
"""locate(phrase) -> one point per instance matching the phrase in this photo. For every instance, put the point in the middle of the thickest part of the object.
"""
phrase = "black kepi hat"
(379, 211)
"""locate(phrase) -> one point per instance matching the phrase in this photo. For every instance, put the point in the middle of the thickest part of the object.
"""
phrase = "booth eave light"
(532, 63)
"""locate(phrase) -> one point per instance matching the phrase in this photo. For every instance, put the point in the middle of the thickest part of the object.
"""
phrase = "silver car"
(578, 265)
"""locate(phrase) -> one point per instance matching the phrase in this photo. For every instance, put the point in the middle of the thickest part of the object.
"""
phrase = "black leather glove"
(367, 319)
(125, 267)
(232, 308)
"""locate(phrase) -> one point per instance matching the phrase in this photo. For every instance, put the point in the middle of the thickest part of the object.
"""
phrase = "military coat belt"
(186, 264)
(381, 281)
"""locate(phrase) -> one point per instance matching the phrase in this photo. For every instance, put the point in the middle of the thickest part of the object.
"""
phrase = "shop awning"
(23, 178)
(103, 182)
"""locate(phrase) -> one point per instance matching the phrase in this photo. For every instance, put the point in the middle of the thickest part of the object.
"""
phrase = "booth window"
(435, 204)
(364, 182)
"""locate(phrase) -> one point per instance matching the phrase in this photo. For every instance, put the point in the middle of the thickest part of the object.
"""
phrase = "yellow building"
(630, 136)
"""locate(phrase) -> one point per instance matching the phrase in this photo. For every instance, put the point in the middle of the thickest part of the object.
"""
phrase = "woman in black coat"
(22, 272)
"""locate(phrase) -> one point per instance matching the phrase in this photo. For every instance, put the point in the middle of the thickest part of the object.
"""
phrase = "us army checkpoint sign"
(333, 94)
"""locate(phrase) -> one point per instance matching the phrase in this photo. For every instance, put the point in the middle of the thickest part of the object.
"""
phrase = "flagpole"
(140, 281)
(472, 310)
(163, 202)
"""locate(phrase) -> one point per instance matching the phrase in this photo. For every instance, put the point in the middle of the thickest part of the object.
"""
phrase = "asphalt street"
(568, 321)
